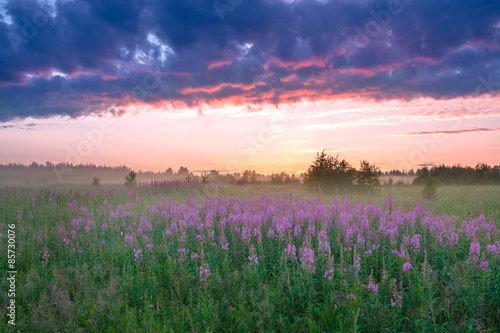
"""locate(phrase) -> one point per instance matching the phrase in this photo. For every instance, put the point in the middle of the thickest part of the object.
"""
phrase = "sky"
(263, 85)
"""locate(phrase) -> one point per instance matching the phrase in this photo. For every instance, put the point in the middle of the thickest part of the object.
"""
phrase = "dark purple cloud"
(96, 56)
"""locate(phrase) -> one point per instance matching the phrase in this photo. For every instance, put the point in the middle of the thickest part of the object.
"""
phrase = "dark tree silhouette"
(130, 179)
(367, 176)
(96, 181)
(330, 172)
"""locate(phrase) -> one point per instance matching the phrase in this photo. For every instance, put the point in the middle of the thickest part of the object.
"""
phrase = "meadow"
(254, 258)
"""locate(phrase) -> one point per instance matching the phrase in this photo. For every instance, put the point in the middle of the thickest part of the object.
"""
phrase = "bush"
(96, 182)
(130, 179)
(430, 187)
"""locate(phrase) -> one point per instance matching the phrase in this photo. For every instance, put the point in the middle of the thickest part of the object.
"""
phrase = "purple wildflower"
(373, 288)
(138, 254)
(204, 272)
(474, 250)
(291, 252)
(329, 274)
(407, 266)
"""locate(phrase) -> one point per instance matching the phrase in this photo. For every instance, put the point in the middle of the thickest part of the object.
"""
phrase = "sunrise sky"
(249, 84)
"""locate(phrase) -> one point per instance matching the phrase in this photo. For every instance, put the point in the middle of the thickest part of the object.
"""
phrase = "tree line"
(482, 173)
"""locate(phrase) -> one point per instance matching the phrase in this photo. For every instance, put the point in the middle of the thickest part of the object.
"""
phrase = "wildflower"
(415, 242)
(474, 250)
(45, 258)
(407, 266)
(270, 233)
(307, 259)
(223, 242)
(351, 296)
(138, 254)
(290, 251)
(150, 247)
(395, 252)
(329, 274)
(204, 272)
(252, 257)
(356, 264)
(484, 265)
(398, 296)
(297, 231)
(182, 252)
(129, 239)
(194, 255)
(384, 272)
(372, 286)
(494, 248)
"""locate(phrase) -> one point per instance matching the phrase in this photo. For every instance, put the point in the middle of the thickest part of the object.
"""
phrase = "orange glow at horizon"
(392, 134)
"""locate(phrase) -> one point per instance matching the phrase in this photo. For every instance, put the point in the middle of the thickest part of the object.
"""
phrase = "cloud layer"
(81, 57)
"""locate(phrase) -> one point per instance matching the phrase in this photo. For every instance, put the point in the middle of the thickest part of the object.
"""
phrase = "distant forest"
(460, 175)
(64, 173)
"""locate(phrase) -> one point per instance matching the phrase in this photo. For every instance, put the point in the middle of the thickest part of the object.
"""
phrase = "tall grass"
(234, 259)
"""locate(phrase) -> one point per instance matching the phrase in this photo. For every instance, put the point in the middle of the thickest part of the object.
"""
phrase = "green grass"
(462, 201)
(103, 289)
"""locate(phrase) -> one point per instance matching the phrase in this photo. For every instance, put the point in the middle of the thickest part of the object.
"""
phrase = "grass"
(84, 265)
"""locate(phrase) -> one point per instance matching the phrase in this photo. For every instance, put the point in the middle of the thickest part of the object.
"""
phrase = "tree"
(367, 176)
(183, 171)
(319, 170)
(276, 179)
(130, 179)
(330, 172)
(430, 187)
(96, 182)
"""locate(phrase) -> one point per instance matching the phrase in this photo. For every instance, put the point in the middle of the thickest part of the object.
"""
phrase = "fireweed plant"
(132, 259)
